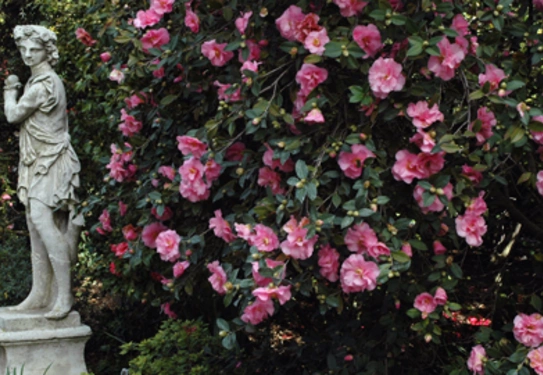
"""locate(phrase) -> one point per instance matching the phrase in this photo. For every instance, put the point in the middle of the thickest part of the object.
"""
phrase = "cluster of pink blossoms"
(192, 21)
(196, 177)
(308, 77)
(409, 166)
(329, 263)
(436, 205)
(426, 303)
(84, 37)
(472, 225)
(352, 163)
(261, 236)
(297, 245)
(119, 165)
(362, 239)
(267, 175)
(294, 25)
(154, 14)
(483, 125)
(528, 330)
(221, 227)
(476, 361)
(422, 117)
(129, 125)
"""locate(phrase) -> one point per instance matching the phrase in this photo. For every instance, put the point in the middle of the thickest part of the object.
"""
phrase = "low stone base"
(28, 339)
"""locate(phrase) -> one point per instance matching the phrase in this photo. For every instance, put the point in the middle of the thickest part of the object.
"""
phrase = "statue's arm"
(17, 112)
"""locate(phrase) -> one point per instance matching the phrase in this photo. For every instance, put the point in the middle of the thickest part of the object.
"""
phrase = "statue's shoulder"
(48, 81)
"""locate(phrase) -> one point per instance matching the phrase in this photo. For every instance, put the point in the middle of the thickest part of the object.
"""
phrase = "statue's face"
(32, 52)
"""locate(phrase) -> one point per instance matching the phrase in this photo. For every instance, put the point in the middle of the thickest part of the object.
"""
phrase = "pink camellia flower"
(235, 152)
(192, 22)
(352, 163)
(270, 263)
(281, 293)
(244, 231)
(84, 37)
(286, 24)
(477, 206)
(105, 220)
(368, 39)
(250, 65)
(471, 174)
(349, 8)
(528, 329)
(162, 6)
(476, 361)
(134, 100)
(179, 268)
(243, 21)
(436, 205)
(264, 238)
(538, 4)
(254, 51)
(119, 249)
(460, 25)
(221, 227)
(167, 245)
(406, 249)
(314, 117)
(309, 77)
(117, 76)
(166, 308)
(445, 65)
(146, 18)
(536, 360)
(316, 41)
(440, 296)
(358, 275)
(258, 311)
(268, 177)
(218, 277)
(130, 232)
(193, 187)
(385, 76)
(439, 249)
(105, 56)
(215, 53)
(130, 125)
(430, 164)
(166, 214)
(167, 171)
(360, 237)
(329, 263)
(422, 116)
(268, 159)
(493, 76)
(406, 167)
(150, 233)
(297, 245)
(472, 228)
(190, 145)
(222, 95)
(423, 140)
(155, 39)
(425, 303)
(212, 170)
(539, 182)
(309, 24)
(487, 120)
(122, 208)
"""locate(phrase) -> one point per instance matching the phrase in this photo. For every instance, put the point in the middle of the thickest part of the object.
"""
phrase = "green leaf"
(518, 356)
(229, 342)
(333, 300)
(419, 245)
(513, 85)
(301, 169)
(400, 256)
(413, 313)
(456, 270)
(524, 177)
(347, 221)
(536, 302)
(453, 306)
(333, 49)
(535, 126)
(311, 191)
(223, 325)
(476, 95)
(168, 99)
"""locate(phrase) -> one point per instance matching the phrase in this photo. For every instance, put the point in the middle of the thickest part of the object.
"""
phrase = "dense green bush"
(179, 347)
(16, 275)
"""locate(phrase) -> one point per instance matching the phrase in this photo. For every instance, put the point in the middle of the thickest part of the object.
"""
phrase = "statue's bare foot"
(30, 303)
(62, 308)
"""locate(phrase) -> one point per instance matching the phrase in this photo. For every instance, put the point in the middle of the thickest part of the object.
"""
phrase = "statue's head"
(34, 36)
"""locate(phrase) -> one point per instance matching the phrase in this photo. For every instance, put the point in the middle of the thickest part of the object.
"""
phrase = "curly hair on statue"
(42, 35)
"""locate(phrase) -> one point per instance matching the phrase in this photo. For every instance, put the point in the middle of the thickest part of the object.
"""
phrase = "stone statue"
(48, 172)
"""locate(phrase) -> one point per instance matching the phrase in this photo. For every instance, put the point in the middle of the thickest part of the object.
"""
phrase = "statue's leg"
(41, 272)
(58, 251)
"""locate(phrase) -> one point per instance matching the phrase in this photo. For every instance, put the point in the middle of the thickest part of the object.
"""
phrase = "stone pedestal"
(27, 338)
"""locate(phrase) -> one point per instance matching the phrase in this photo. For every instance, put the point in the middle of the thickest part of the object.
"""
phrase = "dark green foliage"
(15, 278)
(181, 348)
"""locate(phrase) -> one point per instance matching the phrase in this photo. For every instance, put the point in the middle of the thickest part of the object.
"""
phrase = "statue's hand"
(12, 82)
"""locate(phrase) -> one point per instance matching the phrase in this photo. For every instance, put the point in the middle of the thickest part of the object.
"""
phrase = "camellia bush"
(340, 186)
